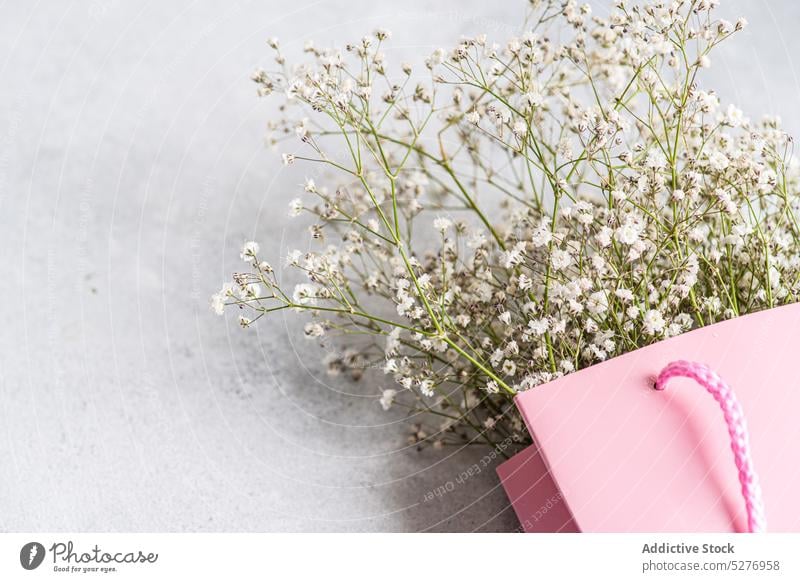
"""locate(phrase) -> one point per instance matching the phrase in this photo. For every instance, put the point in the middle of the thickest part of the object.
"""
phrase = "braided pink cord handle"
(737, 428)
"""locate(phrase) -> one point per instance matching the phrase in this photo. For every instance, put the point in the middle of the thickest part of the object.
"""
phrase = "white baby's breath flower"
(476, 240)
(707, 102)
(734, 116)
(566, 366)
(304, 294)
(314, 330)
(249, 251)
(541, 236)
(598, 303)
(463, 319)
(538, 327)
(653, 322)
(383, 34)
(218, 302)
(496, 357)
(387, 398)
(718, 161)
(250, 291)
(534, 98)
(560, 259)
(585, 218)
(603, 237)
(726, 201)
(404, 303)
(628, 233)
(295, 207)
(293, 258)
(774, 277)
(426, 387)
(515, 256)
(511, 349)
(619, 195)
(655, 159)
(624, 295)
(436, 58)
(442, 224)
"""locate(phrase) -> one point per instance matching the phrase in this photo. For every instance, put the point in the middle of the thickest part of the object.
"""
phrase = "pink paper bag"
(612, 454)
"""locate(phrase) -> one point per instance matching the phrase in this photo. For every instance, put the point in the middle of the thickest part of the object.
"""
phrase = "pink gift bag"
(716, 448)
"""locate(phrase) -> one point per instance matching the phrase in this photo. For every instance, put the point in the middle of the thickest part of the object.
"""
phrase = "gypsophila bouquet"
(510, 213)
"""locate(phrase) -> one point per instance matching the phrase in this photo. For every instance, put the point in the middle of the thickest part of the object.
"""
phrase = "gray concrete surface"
(132, 166)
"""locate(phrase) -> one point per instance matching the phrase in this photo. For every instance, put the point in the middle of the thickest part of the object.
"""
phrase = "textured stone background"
(132, 167)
